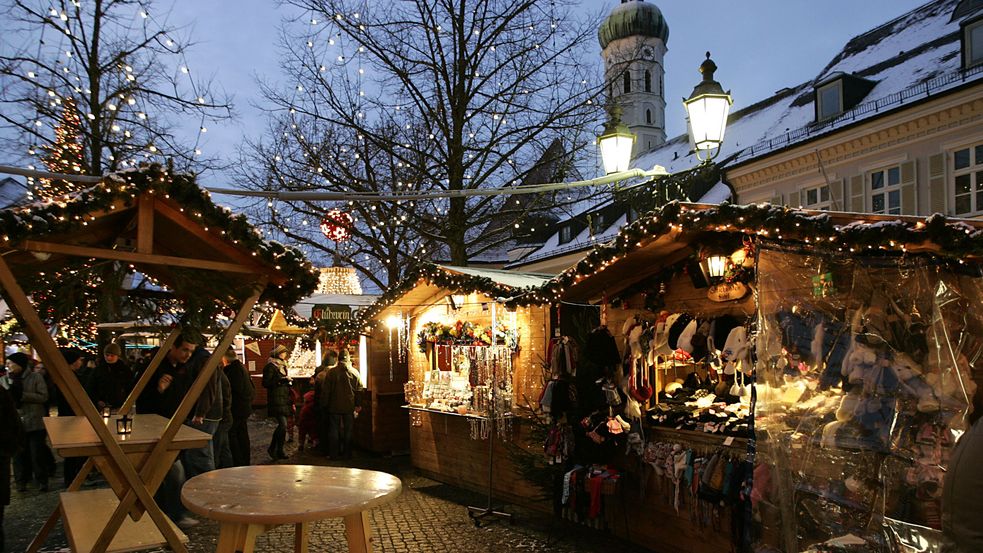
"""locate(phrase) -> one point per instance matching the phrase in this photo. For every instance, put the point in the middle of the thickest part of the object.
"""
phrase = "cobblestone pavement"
(428, 517)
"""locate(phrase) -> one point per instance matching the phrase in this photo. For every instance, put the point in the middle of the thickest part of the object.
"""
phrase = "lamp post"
(616, 142)
(706, 109)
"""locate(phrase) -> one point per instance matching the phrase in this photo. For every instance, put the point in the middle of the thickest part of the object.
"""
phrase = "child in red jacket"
(307, 425)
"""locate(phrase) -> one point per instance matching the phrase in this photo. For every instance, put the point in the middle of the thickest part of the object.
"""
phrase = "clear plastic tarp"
(864, 383)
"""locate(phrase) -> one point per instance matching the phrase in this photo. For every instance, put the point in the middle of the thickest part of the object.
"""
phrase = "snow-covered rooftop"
(507, 278)
(909, 59)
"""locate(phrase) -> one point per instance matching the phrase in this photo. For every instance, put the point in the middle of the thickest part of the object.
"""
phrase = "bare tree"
(122, 66)
(431, 95)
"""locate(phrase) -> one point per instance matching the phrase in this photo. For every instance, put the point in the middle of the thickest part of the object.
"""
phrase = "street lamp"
(616, 143)
(707, 108)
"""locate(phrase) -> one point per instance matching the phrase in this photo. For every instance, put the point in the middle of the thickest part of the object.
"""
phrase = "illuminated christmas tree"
(64, 156)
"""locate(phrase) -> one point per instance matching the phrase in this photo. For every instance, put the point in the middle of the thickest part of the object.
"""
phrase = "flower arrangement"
(465, 333)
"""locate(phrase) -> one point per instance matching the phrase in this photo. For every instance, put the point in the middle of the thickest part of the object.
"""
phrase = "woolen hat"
(677, 328)
(280, 348)
(20, 359)
(112, 348)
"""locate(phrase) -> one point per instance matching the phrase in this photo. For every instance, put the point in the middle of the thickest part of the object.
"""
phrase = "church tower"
(633, 44)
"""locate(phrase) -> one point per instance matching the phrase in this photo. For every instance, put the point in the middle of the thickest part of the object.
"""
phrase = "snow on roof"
(908, 58)
(508, 278)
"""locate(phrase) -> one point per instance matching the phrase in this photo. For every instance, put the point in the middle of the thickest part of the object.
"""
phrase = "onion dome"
(632, 18)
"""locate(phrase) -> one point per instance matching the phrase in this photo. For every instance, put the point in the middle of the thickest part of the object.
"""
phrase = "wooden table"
(247, 501)
(86, 512)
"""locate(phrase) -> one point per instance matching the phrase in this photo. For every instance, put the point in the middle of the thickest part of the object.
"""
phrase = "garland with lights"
(465, 333)
(954, 241)
(73, 211)
(431, 274)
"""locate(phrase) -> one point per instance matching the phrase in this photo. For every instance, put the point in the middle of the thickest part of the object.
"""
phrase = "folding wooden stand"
(134, 465)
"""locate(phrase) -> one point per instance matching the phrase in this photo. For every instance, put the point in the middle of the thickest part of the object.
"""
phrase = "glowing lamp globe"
(707, 109)
(616, 143)
(336, 225)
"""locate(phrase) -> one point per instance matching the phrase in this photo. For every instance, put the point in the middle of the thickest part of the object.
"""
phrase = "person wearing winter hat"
(278, 402)
(329, 360)
(112, 379)
(343, 397)
(30, 395)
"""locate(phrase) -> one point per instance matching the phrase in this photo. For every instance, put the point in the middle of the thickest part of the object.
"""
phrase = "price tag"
(729, 440)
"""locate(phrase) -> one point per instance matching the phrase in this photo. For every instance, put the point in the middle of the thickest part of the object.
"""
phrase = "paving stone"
(427, 517)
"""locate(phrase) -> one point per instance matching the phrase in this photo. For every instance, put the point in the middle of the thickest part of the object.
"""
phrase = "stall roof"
(306, 305)
(512, 279)
(158, 223)
(671, 234)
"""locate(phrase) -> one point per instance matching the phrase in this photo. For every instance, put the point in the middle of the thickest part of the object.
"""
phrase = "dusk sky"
(760, 47)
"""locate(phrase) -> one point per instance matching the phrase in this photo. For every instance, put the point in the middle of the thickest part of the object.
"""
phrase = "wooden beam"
(133, 257)
(154, 472)
(70, 386)
(230, 251)
(145, 224)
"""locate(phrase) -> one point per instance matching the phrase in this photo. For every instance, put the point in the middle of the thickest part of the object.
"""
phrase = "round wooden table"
(248, 501)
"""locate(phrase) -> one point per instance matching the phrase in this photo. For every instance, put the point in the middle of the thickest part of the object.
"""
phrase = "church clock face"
(647, 53)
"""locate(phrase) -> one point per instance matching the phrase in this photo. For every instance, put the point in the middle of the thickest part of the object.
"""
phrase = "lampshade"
(707, 109)
(716, 266)
(616, 143)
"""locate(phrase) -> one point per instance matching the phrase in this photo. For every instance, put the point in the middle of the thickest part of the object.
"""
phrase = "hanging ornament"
(336, 225)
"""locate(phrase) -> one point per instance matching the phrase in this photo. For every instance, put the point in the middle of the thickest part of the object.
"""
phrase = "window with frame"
(884, 186)
(973, 43)
(648, 81)
(816, 197)
(597, 222)
(829, 100)
(566, 234)
(626, 81)
(967, 172)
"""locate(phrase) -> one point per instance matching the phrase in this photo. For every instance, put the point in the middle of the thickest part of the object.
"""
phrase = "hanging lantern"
(336, 225)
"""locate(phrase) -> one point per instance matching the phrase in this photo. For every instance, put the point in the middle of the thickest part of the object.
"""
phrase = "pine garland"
(70, 212)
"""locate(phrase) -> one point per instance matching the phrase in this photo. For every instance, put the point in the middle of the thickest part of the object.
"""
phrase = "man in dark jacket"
(343, 394)
(279, 405)
(162, 396)
(112, 379)
(243, 392)
(329, 360)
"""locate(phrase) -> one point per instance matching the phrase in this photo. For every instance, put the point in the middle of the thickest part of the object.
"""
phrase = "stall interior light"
(716, 266)
(393, 322)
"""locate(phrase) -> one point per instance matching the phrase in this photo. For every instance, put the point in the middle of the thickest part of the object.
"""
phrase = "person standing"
(30, 395)
(221, 450)
(162, 396)
(961, 493)
(329, 360)
(243, 392)
(11, 442)
(278, 399)
(73, 358)
(343, 391)
(112, 379)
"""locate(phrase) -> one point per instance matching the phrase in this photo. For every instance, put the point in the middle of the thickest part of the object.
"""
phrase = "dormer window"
(838, 93)
(566, 234)
(972, 42)
(829, 100)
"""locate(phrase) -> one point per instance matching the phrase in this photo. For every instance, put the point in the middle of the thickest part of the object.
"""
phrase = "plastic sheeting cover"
(864, 383)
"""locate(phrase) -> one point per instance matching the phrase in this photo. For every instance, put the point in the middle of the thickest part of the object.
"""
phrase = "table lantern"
(124, 424)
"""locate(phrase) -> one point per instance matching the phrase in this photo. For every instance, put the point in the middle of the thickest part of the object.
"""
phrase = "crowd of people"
(222, 410)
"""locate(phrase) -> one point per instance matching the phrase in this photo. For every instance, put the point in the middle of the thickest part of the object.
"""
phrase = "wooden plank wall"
(383, 425)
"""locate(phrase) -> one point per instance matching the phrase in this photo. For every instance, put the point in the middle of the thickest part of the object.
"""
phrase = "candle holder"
(124, 425)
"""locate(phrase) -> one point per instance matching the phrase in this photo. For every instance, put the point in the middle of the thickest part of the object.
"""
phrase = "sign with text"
(331, 312)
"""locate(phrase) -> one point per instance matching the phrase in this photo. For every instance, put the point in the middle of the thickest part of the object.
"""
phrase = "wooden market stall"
(161, 225)
(431, 350)
(858, 334)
